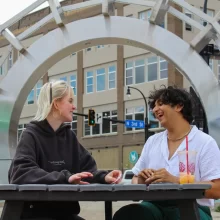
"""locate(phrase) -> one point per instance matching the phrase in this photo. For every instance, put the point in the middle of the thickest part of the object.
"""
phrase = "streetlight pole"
(146, 110)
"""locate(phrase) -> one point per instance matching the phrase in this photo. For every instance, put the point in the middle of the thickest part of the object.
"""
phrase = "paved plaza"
(95, 210)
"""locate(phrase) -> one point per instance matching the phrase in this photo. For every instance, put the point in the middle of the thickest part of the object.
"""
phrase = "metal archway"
(73, 37)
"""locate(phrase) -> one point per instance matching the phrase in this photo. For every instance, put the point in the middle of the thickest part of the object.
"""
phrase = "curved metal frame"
(61, 42)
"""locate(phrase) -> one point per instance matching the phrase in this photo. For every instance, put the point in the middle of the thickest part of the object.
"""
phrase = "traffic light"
(91, 117)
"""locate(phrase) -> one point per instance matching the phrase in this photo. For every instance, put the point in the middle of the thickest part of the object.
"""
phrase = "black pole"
(107, 119)
(205, 11)
(146, 113)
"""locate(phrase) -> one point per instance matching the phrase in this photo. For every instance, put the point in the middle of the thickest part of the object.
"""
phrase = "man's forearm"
(134, 180)
(214, 192)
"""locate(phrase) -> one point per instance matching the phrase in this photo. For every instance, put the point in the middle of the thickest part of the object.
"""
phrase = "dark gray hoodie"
(45, 156)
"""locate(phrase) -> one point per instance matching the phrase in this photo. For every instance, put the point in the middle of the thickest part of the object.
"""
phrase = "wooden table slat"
(8, 187)
(130, 187)
(33, 187)
(63, 187)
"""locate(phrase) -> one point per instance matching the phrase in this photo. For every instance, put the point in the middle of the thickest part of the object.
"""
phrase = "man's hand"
(77, 178)
(144, 175)
(113, 177)
(162, 176)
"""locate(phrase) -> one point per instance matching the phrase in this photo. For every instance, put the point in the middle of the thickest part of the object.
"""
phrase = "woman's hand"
(162, 176)
(113, 177)
(77, 178)
(144, 175)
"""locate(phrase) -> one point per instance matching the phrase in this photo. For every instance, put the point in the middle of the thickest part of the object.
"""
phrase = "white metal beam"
(35, 27)
(215, 23)
(108, 7)
(185, 18)
(203, 38)
(56, 11)
(194, 10)
(21, 14)
(13, 40)
(138, 2)
(159, 11)
(210, 32)
(81, 5)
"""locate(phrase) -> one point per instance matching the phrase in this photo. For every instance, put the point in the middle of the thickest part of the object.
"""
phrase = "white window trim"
(110, 72)
(75, 80)
(159, 71)
(147, 64)
(38, 88)
(146, 69)
(90, 84)
(97, 78)
(132, 68)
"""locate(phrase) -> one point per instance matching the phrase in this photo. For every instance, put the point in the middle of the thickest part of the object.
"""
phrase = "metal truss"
(159, 9)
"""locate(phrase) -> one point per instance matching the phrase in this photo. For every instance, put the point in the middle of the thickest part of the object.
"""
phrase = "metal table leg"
(108, 210)
(12, 210)
(188, 209)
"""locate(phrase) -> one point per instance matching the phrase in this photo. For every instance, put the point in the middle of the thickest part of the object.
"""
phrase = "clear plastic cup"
(187, 176)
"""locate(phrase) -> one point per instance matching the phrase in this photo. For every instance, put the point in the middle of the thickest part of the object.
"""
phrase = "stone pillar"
(45, 78)
(175, 26)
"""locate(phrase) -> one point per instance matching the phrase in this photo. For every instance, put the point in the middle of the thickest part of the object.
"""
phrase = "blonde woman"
(49, 153)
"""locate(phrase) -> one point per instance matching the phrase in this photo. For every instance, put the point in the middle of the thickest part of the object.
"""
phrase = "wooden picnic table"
(185, 195)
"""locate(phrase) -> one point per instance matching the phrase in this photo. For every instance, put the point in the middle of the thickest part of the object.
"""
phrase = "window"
(30, 99)
(74, 124)
(100, 46)
(1, 70)
(136, 113)
(187, 26)
(64, 78)
(88, 49)
(89, 82)
(153, 122)
(144, 15)
(139, 71)
(38, 88)
(10, 60)
(128, 71)
(21, 128)
(106, 127)
(156, 68)
(111, 77)
(100, 79)
(86, 127)
(73, 83)
(163, 68)
(152, 68)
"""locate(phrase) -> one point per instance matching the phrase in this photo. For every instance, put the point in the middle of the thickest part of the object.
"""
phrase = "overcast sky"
(9, 8)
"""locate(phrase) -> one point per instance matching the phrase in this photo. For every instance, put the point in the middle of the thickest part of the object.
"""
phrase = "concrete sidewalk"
(95, 210)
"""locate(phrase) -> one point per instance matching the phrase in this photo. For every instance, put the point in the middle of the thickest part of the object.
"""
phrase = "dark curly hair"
(173, 96)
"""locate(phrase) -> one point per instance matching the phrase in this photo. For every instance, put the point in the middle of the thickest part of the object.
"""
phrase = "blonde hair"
(49, 92)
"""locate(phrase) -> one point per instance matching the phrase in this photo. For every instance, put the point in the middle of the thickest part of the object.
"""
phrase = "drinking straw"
(187, 156)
